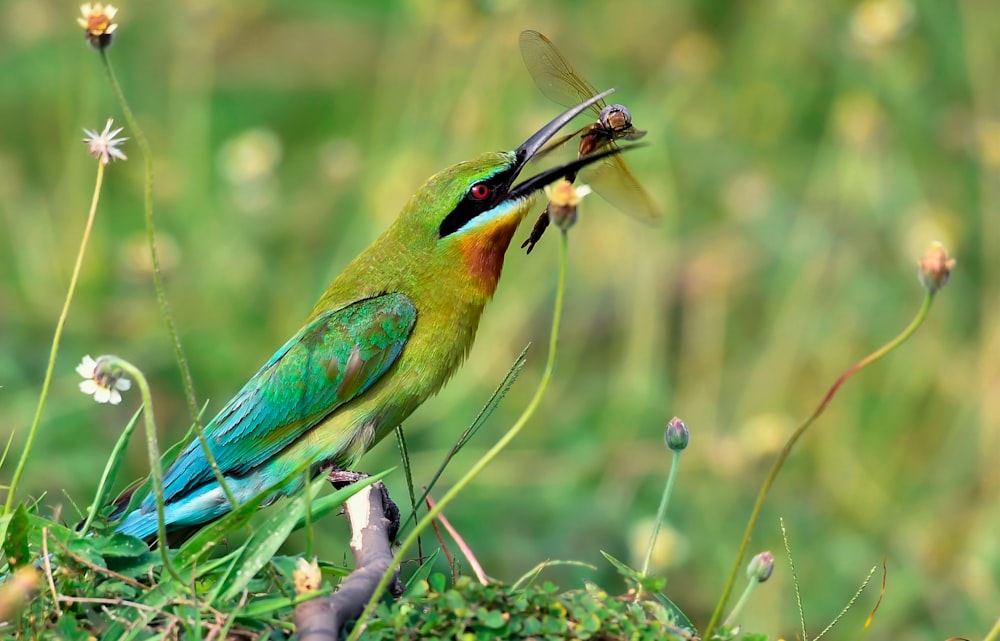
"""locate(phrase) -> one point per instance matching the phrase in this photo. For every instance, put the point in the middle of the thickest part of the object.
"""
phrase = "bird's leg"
(537, 231)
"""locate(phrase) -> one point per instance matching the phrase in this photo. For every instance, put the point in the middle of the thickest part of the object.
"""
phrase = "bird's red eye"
(479, 191)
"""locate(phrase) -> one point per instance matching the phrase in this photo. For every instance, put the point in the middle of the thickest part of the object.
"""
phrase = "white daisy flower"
(104, 381)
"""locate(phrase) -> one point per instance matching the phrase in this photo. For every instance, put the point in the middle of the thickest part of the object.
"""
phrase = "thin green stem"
(155, 473)
(664, 501)
(404, 453)
(793, 439)
(994, 632)
(469, 432)
(161, 297)
(53, 352)
(3, 457)
(487, 458)
(731, 619)
(309, 519)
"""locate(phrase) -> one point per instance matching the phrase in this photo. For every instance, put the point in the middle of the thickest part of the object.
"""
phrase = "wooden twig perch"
(374, 520)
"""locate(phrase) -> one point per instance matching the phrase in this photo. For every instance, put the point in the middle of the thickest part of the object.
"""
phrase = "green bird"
(387, 334)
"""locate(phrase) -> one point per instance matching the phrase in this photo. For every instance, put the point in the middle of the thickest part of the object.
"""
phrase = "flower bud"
(563, 201)
(97, 24)
(935, 268)
(676, 435)
(760, 567)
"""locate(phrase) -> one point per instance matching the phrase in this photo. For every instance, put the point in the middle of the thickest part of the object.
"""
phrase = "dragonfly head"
(616, 117)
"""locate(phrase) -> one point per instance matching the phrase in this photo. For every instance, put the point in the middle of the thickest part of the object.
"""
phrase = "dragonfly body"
(612, 179)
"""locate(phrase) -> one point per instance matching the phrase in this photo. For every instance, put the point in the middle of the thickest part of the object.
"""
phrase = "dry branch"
(374, 520)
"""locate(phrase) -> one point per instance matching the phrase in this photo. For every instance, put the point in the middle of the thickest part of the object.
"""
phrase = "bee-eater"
(385, 336)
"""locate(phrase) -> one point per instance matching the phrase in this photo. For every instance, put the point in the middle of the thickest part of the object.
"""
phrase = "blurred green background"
(805, 152)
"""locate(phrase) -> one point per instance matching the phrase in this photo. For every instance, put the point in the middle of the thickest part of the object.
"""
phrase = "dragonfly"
(611, 179)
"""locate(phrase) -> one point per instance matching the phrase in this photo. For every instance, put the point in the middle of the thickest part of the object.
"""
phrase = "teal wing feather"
(333, 359)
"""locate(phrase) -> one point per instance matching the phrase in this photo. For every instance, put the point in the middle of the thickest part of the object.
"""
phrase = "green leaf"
(437, 581)
(634, 577)
(110, 472)
(623, 569)
(529, 577)
(285, 566)
(132, 621)
(271, 605)
(15, 544)
(207, 569)
(417, 589)
(493, 619)
(589, 622)
(333, 569)
(118, 546)
(199, 545)
(84, 549)
(531, 626)
(69, 630)
(680, 619)
(135, 566)
(422, 573)
(56, 530)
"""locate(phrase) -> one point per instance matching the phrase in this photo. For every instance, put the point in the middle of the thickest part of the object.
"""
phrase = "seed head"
(935, 268)
(104, 145)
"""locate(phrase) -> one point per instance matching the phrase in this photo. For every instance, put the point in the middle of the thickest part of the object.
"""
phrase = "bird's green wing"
(333, 359)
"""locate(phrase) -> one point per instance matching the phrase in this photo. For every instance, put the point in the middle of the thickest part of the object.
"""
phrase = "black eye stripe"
(469, 207)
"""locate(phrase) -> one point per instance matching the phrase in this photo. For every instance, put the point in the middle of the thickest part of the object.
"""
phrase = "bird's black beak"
(532, 145)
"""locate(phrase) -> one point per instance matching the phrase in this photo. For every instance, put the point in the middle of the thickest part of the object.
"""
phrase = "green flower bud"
(676, 435)
(935, 268)
(760, 567)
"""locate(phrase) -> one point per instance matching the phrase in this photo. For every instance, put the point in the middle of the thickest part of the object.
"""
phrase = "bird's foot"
(340, 479)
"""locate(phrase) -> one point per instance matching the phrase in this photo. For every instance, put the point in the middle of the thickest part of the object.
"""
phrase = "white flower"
(97, 25)
(563, 200)
(104, 145)
(104, 380)
(96, 19)
(563, 193)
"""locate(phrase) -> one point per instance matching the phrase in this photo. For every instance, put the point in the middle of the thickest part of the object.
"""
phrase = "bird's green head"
(470, 211)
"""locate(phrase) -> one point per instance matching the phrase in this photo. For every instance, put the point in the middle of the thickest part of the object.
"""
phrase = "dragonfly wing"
(631, 134)
(553, 74)
(615, 182)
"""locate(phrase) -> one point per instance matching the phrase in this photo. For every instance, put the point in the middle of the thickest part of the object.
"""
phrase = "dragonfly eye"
(616, 117)
(479, 191)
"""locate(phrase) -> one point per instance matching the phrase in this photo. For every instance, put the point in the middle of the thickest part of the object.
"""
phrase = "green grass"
(803, 173)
